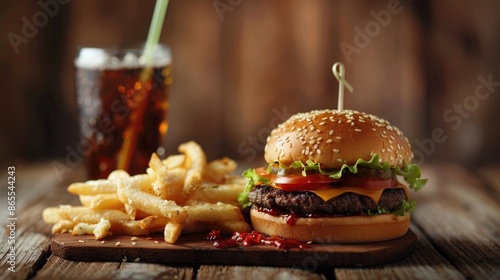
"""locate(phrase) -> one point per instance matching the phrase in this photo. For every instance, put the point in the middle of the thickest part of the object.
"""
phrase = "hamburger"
(333, 177)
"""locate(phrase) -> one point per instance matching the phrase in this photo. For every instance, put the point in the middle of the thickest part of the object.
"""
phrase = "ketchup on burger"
(333, 178)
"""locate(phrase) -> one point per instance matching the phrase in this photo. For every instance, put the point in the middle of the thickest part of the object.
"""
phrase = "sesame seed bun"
(332, 138)
(347, 229)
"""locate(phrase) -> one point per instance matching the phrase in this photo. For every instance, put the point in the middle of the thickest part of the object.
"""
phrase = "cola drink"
(119, 97)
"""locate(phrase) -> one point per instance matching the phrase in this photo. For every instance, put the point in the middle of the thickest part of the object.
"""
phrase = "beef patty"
(309, 203)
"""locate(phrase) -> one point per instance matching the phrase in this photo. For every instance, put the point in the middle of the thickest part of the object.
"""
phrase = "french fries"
(150, 203)
(178, 195)
(197, 161)
(217, 170)
(169, 181)
(87, 215)
(99, 230)
(172, 231)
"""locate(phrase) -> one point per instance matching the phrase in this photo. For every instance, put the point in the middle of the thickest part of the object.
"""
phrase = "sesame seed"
(383, 150)
(339, 160)
(318, 131)
(322, 123)
(331, 132)
(352, 124)
(374, 129)
(133, 238)
(329, 141)
(357, 130)
(318, 151)
(134, 243)
(336, 150)
(102, 242)
(81, 241)
(117, 243)
(338, 137)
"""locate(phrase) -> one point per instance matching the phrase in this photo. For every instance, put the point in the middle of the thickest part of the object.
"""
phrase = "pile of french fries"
(180, 194)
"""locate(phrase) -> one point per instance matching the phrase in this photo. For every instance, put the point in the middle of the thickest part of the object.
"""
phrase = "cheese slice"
(331, 192)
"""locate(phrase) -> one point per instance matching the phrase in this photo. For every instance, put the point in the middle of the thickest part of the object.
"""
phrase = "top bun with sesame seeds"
(333, 138)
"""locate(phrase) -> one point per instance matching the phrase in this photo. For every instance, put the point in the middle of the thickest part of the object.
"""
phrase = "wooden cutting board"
(195, 249)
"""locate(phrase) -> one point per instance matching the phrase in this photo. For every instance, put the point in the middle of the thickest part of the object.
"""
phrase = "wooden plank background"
(237, 72)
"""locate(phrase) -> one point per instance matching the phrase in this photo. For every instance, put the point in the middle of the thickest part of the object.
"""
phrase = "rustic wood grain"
(254, 272)
(132, 270)
(58, 267)
(490, 176)
(461, 221)
(424, 263)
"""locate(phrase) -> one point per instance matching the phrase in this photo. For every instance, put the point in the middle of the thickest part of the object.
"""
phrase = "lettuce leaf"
(378, 212)
(410, 172)
(253, 178)
(405, 208)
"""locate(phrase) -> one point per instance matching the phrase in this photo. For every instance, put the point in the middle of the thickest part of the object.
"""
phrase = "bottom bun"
(348, 229)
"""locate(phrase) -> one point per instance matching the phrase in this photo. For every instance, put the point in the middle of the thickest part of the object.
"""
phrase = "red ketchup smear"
(252, 238)
(291, 219)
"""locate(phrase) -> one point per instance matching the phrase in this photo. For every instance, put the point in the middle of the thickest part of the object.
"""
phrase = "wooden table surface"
(457, 222)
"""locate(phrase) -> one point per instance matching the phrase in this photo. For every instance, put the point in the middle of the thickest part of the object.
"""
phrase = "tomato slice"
(298, 182)
(368, 183)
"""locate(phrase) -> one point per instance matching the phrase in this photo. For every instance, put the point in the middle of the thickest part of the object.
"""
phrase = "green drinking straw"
(155, 30)
(137, 116)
